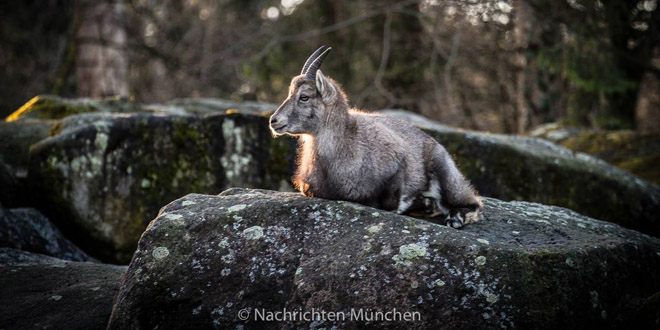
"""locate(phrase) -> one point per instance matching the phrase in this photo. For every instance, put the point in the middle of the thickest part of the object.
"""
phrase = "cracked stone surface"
(524, 266)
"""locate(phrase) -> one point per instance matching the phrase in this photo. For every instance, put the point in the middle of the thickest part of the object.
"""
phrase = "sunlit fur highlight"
(372, 159)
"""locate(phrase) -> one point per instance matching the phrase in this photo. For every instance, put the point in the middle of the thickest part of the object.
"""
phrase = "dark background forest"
(501, 66)
(141, 186)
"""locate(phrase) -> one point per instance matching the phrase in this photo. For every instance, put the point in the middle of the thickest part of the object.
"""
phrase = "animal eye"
(304, 98)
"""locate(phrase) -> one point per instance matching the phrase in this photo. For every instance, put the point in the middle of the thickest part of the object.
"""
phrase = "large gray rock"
(634, 151)
(55, 107)
(39, 292)
(18, 136)
(13, 257)
(103, 177)
(15, 141)
(11, 188)
(27, 229)
(521, 168)
(211, 105)
(102, 189)
(525, 266)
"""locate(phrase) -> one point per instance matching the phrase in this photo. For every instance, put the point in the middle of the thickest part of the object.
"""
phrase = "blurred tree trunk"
(523, 24)
(634, 53)
(101, 63)
(648, 103)
(621, 105)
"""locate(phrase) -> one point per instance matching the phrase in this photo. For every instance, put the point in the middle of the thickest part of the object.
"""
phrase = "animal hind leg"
(457, 194)
(407, 191)
(409, 194)
(432, 198)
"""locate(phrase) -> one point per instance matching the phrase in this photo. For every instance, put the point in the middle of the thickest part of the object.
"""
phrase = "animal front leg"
(429, 207)
(432, 199)
(404, 204)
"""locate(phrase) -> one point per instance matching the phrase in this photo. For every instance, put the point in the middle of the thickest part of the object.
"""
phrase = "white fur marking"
(404, 204)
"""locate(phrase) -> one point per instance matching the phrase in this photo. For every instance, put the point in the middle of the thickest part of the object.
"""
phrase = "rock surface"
(635, 152)
(525, 266)
(39, 292)
(27, 229)
(211, 105)
(13, 257)
(102, 177)
(55, 107)
(17, 137)
(106, 170)
(521, 168)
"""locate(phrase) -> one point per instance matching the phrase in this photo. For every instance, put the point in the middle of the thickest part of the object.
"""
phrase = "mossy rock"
(212, 105)
(635, 152)
(531, 169)
(55, 107)
(102, 179)
(524, 266)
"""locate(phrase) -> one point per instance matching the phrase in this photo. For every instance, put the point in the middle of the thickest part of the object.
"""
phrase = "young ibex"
(367, 158)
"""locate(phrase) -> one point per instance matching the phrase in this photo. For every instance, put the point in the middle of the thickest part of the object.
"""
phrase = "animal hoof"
(454, 222)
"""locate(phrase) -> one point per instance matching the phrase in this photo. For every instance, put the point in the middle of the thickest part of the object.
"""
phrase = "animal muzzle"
(277, 125)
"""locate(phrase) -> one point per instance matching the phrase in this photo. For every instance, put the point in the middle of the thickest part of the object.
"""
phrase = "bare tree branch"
(384, 58)
(330, 28)
(449, 95)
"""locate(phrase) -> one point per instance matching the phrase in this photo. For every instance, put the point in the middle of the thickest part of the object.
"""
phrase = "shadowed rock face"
(525, 266)
(13, 257)
(110, 165)
(103, 177)
(16, 139)
(27, 229)
(40, 292)
(521, 168)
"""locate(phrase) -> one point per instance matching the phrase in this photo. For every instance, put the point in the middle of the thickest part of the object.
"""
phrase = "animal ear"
(321, 83)
(325, 87)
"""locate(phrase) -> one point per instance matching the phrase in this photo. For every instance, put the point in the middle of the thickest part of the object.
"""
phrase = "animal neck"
(336, 132)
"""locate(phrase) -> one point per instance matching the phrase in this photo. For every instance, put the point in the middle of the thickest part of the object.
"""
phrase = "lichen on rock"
(531, 169)
(409, 252)
(274, 258)
(106, 176)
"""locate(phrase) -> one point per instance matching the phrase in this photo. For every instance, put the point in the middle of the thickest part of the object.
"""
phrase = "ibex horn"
(316, 64)
(311, 59)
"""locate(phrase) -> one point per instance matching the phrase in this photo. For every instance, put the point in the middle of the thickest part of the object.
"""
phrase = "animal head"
(311, 95)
